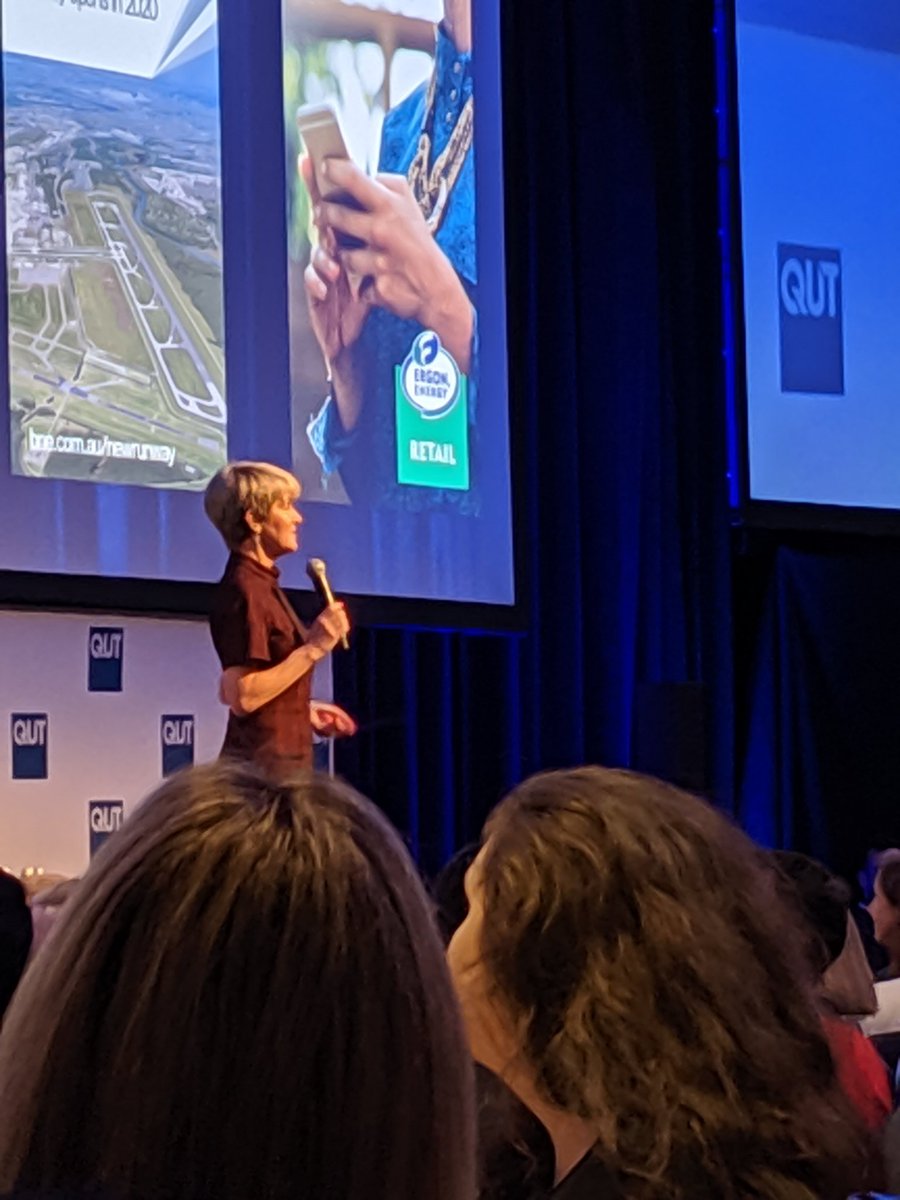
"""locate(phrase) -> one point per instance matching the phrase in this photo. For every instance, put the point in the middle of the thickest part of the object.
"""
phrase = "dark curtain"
(615, 383)
(819, 753)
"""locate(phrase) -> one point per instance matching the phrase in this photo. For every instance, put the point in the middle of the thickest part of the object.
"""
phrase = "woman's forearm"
(245, 690)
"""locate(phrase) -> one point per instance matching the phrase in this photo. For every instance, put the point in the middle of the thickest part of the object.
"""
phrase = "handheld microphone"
(315, 569)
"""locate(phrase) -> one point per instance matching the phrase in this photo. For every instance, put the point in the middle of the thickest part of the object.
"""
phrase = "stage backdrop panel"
(147, 144)
(818, 105)
(94, 710)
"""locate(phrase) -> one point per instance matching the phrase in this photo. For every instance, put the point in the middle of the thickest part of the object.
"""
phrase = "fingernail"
(317, 213)
(326, 168)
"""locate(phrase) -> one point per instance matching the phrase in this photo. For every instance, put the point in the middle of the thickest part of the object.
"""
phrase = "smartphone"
(321, 133)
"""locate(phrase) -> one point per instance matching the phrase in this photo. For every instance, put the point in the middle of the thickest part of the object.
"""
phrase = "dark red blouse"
(253, 625)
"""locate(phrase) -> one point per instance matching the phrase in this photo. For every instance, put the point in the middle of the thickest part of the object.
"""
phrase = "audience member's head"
(249, 998)
(874, 860)
(822, 900)
(834, 947)
(884, 908)
(15, 936)
(628, 966)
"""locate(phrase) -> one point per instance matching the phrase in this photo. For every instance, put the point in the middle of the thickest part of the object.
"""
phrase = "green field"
(158, 320)
(202, 283)
(106, 315)
(64, 361)
(28, 309)
(81, 217)
(142, 289)
(179, 287)
(70, 338)
(55, 310)
(185, 373)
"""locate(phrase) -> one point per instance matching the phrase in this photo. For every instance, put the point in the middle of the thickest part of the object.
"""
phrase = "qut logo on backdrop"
(106, 648)
(811, 319)
(177, 733)
(29, 733)
(104, 818)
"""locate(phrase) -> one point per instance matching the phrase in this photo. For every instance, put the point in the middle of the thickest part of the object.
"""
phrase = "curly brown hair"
(638, 940)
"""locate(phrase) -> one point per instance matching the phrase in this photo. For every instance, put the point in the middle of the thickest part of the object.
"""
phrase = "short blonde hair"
(246, 487)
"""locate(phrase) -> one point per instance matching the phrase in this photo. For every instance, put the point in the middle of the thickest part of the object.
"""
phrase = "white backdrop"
(100, 745)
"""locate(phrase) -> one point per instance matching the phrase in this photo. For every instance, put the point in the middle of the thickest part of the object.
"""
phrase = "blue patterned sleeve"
(327, 436)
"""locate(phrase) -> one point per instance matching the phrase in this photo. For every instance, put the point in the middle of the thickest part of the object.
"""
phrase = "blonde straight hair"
(246, 487)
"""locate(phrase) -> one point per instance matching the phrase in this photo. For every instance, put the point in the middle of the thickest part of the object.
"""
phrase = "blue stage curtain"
(615, 385)
(819, 756)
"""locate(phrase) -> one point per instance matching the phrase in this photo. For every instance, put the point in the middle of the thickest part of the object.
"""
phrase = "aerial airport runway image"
(115, 275)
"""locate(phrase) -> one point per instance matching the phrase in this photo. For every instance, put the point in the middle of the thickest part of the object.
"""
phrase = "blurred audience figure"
(37, 881)
(823, 902)
(884, 909)
(874, 861)
(15, 936)
(837, 947)
(46, 906)
(848, 982)
(249, 999)
(449, 891)
(628, 968)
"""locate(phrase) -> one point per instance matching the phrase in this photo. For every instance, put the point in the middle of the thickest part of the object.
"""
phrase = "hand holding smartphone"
(321, 133)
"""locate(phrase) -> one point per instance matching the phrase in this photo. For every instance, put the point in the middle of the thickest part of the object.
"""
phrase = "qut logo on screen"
(104, 818)
(811, 319)
(29, 745)
(106, 649)
(177, 743)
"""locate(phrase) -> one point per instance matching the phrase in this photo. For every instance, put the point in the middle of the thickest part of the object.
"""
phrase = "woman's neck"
(252, 548)
(458, 23)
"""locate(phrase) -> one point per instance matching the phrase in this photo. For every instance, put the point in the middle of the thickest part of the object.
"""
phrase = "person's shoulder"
(232, 578)
(235, 592)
